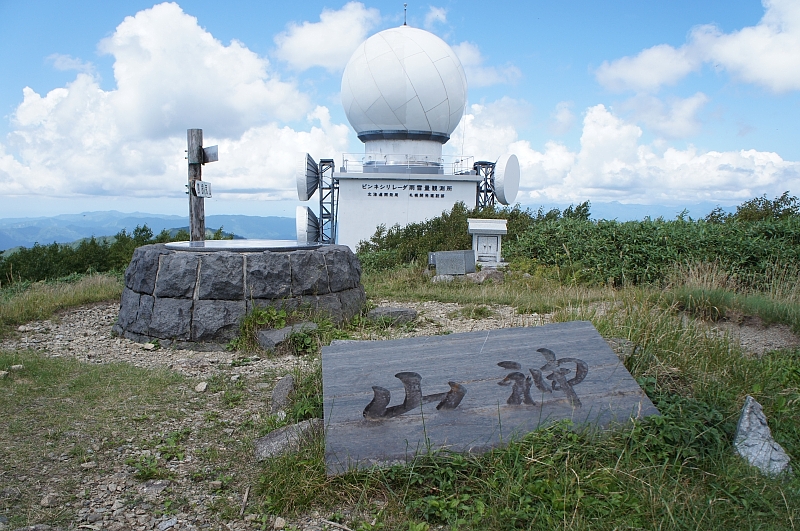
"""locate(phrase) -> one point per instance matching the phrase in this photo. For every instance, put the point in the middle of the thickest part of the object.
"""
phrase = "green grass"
(24, 302)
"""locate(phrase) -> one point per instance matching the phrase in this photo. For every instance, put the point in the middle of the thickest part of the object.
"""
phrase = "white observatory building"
(404, 92)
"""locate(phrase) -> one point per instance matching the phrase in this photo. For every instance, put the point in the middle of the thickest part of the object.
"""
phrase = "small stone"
(269, 339)
(49, 501)
(201, 387)
(286, 439)
(3, 374)
(485, 274)
(155, 486)
(392, 316)
(250, 517)
(89, 464)
(166, 524)
(94, 517)
(280, 395)
(148, 346)
(215, 485)
(279, 523)
(17, 367)
(442, 278)
(754, 441)
(235, 378)
(24, 328)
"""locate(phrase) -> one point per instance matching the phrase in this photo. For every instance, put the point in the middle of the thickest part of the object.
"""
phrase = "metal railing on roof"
(406, 163)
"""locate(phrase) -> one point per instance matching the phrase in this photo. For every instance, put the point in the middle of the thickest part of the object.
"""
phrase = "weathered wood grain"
(483, 419)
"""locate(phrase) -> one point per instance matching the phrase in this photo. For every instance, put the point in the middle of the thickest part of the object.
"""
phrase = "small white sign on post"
(202, 188)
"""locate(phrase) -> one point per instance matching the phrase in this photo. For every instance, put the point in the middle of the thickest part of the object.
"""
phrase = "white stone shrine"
(487, 235)
(404, 92)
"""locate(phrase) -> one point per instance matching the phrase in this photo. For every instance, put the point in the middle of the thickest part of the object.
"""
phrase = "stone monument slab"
(386, 401)
(454, 262)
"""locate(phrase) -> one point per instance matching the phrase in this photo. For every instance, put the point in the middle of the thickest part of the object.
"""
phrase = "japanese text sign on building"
(385, 401)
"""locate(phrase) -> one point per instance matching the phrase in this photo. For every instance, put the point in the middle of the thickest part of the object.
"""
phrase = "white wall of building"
(390, 199)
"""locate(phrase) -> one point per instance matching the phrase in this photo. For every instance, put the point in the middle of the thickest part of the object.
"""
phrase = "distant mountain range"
(68, 228)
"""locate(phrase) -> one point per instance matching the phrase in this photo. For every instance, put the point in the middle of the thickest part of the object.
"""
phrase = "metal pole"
(197, 211)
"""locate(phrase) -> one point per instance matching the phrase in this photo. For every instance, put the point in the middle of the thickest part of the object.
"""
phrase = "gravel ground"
(103, 501)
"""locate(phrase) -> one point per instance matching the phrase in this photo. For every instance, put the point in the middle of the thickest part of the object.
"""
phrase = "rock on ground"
(392, 315)
(271, 338)
(485, 274)
(754, 441)
(280, 395)
(286, 439)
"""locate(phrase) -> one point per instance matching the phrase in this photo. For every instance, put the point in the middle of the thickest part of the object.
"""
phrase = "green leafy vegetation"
(571, 248)
(92, 255)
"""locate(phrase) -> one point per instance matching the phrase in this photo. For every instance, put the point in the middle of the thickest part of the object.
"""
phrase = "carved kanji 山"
(377, 408)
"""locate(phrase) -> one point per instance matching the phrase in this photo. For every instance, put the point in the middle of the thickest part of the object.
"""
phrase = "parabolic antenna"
(307, 177)
(506, 179)
(307, 225)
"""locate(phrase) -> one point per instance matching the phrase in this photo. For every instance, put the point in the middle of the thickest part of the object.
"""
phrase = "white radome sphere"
(404, 83)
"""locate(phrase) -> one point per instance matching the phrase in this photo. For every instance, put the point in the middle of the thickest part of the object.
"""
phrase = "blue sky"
(663, 103)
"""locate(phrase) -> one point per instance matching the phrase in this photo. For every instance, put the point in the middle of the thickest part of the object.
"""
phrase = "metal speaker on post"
(506, 179)
(307, 176)
(307, 225)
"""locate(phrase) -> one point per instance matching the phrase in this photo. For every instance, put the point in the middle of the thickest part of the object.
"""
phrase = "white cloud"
(487, 130)
(435, 15)
(562, 118)
(765, 54)
(171, 75)
(649, 70)
(67, 62)
(612, 163)
(479, 75)
(330, 42)
(677, 118)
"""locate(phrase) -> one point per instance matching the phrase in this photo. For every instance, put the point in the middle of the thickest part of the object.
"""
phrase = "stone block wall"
(202, 296)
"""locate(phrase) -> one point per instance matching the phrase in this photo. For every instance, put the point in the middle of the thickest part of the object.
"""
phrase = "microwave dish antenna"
(307, 177)
(506, 179)
(307, 225)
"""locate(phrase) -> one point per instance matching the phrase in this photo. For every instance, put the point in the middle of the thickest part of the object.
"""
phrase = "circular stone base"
(184, 295)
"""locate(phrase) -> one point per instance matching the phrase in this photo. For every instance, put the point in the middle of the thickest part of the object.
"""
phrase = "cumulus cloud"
(330, 42)
(435, 15)
(480, 75)
(67, 62)
(562, 118)
(649, 70)
(613, 164)
(764, 54)
(675, 118)
(170, 75)
(486, 131)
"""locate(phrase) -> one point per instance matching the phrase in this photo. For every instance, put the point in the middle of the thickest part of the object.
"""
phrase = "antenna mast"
(405, 14)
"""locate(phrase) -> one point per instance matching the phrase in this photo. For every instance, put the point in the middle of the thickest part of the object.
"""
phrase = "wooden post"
(197, 212)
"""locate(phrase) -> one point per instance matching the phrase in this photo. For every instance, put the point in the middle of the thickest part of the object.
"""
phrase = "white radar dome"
(404, 83)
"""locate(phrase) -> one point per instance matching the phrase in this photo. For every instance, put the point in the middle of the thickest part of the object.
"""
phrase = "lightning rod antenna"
(405, 14)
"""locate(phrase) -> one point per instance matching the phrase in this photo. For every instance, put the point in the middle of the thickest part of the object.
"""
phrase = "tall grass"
(27, 302)
(708, 291)
(533, 293)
